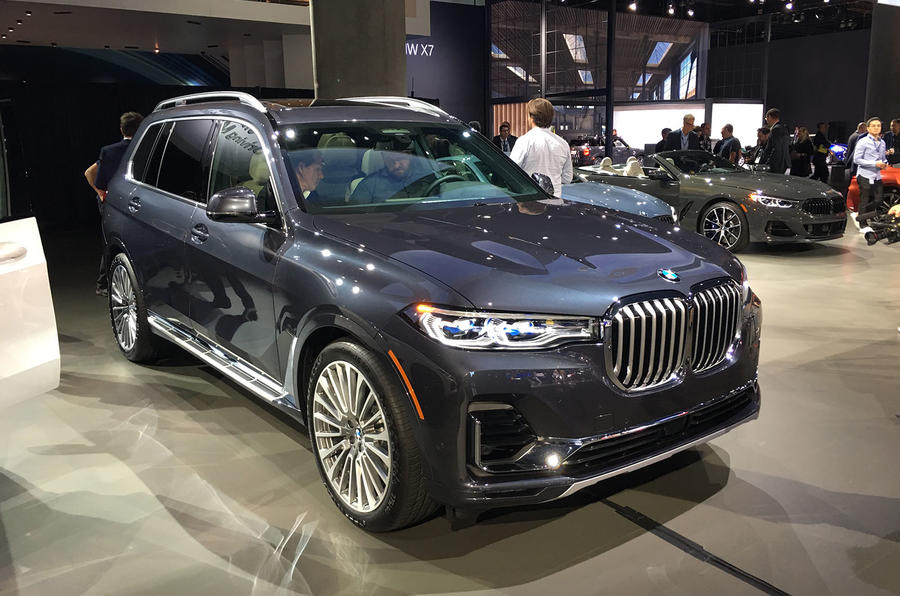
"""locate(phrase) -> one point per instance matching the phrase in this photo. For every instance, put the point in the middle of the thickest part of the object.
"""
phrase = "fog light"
(553, 460)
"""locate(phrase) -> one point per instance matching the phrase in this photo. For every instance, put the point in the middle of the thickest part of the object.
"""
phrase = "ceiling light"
(10, 29)
(18, 21)
(789, 6)
(3, 36)
(156, 50)
(27, 13)
(690, 12)
(632, 7)
(671, 9)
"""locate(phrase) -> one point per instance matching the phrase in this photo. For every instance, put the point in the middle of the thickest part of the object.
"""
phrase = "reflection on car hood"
(616, 197)
(776, 185)
(534, 257)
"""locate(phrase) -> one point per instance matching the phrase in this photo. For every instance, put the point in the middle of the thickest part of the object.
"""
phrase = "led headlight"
(772, 201)
(476, 330)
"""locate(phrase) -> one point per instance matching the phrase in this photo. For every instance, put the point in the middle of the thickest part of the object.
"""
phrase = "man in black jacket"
(505, 141)
(778, 147)
(851, 146)
(685, 137)
(892, 143)
(101, 172)
(820, 153)
(661, 145)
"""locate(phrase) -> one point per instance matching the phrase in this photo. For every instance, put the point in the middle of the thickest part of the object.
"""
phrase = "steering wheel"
(441, 180)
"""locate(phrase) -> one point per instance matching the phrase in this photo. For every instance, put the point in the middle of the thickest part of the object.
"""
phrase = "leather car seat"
(341, 158)
(606, 167)
(372, 161)
(633, 168)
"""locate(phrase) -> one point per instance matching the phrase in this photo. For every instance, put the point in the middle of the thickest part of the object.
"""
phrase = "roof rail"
(404, 102)
(244, 98)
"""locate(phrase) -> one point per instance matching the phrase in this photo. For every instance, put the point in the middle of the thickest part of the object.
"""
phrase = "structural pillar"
(883, 88)
(358, 47)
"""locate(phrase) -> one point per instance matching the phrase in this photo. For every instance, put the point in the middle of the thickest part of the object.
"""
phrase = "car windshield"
(698, 162)
(364, 166)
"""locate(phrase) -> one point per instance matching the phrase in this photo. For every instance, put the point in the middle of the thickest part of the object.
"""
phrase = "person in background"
(704, 131)
(758, 153)
(616, 137)
(820, 153)
(539, 151)
(101, 172)
(869, 158)
(661, 145)
(729, 147)
(685, 137)
(892, 143)
(851, 145)
(504, 141)
(778, 146)
(801, 151)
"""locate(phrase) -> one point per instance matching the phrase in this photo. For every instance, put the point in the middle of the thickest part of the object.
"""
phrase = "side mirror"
(236, 205)
(544, 182)
(658, 174)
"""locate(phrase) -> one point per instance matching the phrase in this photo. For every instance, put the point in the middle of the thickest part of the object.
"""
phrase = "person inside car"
(398, 178)
(309, 173)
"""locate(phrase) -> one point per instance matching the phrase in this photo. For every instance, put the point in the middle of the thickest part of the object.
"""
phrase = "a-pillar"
(358, 47)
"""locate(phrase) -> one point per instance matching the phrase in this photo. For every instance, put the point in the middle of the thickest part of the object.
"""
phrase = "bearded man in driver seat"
(399, 178)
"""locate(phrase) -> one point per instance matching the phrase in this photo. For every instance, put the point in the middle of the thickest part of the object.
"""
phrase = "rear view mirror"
(544, 182)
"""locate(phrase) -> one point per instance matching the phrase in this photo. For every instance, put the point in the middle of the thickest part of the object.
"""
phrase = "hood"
(536, 257)
(616, 197)
(775, 185)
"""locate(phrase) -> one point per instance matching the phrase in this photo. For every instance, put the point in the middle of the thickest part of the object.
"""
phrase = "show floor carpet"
(168, 479)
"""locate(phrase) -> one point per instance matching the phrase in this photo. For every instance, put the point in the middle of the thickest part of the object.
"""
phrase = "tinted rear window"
(182, 163)
(142, 153)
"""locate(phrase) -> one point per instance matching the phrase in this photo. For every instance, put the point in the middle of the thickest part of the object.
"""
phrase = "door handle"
(199, 233)
(11, 252)
(134, 204)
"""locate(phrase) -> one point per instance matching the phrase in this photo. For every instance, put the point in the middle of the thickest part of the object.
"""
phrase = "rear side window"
(181, 172)
(142, 153)
(159, 148)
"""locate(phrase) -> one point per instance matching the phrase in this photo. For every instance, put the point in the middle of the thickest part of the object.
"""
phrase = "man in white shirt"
(539, 151)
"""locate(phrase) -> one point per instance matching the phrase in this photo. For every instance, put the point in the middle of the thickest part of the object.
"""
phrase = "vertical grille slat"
(648, 339)
(715, 325)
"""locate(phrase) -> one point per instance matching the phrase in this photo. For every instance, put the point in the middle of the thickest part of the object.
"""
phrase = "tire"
(127, 313)
(725, 224)
(364, 447)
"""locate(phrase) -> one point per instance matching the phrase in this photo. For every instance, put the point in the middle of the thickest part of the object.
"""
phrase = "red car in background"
(890, 179)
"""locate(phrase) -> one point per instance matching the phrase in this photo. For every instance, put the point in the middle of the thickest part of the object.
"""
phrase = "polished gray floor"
(169, 480)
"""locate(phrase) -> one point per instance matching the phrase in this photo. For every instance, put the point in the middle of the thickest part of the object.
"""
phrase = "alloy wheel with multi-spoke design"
(351, 436)
(124, 308)
(723, 225)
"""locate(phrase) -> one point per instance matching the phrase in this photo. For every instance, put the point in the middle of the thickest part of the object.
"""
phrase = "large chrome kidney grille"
(647, 340)
(716, 315)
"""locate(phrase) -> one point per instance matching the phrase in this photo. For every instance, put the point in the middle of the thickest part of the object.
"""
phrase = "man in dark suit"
(851, 147)
(504, 140)
(892, 143)
(778, 148)
(684, 137)
(820, 156)
(661, 145)
(101, 172)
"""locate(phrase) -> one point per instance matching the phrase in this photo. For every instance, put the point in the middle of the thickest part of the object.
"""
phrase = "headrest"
(259, 170)
(372, 161)
(340, 139)
(633, 168)
(606, 162)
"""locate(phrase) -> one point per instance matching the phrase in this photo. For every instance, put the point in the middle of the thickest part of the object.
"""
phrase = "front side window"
(238, 160)
(344, 167)
(181, 172)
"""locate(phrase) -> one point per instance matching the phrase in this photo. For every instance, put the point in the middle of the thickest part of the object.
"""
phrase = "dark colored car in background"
(446, 340)
(734, 206)
(587, 151)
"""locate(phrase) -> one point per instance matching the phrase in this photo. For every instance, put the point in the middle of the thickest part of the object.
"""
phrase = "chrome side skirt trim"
(574, 488)
(230, 365)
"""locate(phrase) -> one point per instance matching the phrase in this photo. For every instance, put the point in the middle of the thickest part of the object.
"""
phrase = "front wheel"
(726, 225)
(361, 431)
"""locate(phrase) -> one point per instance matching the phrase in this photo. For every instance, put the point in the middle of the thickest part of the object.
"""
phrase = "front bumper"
(591, 429)
(774, 226)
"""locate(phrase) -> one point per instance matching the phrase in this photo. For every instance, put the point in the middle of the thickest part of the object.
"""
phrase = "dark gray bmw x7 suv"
(446, 340)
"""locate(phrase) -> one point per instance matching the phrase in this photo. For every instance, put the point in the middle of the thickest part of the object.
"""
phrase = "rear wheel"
(360, 427)
(128, 314)
(725, 224)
